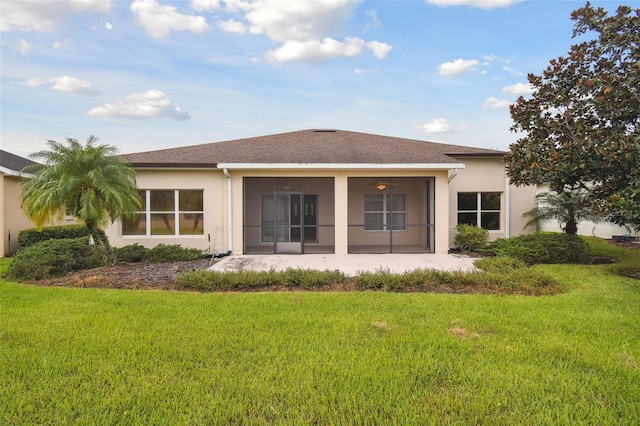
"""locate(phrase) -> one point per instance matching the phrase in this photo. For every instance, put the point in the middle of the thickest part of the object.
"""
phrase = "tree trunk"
(102, 242)
(571, 228)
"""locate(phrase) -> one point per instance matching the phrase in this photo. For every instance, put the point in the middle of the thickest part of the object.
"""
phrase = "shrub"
(130, 254)
(310, 279)
(470, 237)
(204, 280)
(499, 265)
(54, 258)
(29, 237)
(543, 247)
(171, 253)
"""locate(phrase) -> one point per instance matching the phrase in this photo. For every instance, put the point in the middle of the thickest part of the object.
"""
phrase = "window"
(167, 212)
(479, 209)
(384, 212)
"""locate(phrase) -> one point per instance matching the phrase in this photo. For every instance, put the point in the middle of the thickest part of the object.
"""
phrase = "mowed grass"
(93, 356)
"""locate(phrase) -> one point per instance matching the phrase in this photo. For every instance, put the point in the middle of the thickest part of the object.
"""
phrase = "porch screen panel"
(390, 215)
(269, 203)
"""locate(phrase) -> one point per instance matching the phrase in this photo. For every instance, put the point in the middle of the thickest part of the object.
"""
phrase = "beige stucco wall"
(489, 175)
(213, 184)
(12, 218)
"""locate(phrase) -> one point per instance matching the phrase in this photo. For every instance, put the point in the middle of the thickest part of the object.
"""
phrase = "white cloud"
(438, 125)
(314, 50)
(141, 106)
(44, 15)
(512, 71)
(305, 30)
(204, 5)
(23, 46)
(32, 82)
(496, 103)
(374, 22)
(380, 50)
(360, 71)
(73, 85)
(108, 25)
(300, 20)
(159, 20)
(458, 66)
(233, 26)
(483, 4)
(519, 89)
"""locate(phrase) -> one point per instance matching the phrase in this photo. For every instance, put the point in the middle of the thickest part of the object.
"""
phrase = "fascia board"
(348, 166)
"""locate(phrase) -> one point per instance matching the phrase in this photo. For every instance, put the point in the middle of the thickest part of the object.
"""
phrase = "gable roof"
(309, 147)
(12, 164)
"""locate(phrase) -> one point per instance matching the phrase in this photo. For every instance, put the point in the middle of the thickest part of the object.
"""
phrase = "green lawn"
(92, 356)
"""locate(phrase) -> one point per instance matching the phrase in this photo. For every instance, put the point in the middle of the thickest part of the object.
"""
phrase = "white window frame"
(386, 227)
(176, 215)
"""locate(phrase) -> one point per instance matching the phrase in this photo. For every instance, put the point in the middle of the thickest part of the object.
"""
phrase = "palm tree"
(568, 208)
(89, 182)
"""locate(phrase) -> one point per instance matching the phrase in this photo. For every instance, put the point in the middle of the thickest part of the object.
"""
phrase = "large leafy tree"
(90, 182)
(581, 126)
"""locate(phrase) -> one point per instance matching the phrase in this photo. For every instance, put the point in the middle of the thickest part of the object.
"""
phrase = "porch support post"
(341, 193)
(442, 213)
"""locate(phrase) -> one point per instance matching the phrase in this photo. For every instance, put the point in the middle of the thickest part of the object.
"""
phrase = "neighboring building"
(12, 220)
(321, 191)
(600, 230)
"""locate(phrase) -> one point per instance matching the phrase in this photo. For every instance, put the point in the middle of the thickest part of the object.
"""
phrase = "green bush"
(54, 258)
(130, 254)
(29, 237)
(204, 280)
(543, 247)
(499, 265)
(470, 237)
(172, 253)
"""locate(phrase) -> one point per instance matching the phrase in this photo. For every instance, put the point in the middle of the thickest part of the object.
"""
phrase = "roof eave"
(349, 166)
(191, 166)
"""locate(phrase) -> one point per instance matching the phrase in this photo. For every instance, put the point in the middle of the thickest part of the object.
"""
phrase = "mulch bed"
(162, 276)
(159, 276)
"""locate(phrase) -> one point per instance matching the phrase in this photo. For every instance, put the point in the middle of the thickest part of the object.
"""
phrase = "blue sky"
(152, 74)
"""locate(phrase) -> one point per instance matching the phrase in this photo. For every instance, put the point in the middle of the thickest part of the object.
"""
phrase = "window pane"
(135, 226)
(143, 196)
(373, 222)
(467, 201)
(490, 221)
(163, 224)
(396, 202)
(468, 218)
(190, 200)
(490, 200)
(373, 202)
(397, 221)
(191, 224)
(162, 201)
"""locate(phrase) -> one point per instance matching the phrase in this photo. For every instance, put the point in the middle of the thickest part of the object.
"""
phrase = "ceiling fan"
(382, 184)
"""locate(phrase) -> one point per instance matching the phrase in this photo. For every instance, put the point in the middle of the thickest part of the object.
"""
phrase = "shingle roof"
(309, 147)
(13, 162)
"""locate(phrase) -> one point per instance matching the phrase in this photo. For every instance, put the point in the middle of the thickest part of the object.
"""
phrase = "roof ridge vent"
(324, 130)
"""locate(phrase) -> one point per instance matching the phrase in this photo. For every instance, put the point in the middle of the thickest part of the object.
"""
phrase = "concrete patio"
(349, 264)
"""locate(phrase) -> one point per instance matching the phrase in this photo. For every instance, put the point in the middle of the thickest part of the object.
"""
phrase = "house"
(321, 191)
(12, 219)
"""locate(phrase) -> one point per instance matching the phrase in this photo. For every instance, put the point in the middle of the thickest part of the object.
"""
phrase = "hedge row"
(497, 275)
(29, 237)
